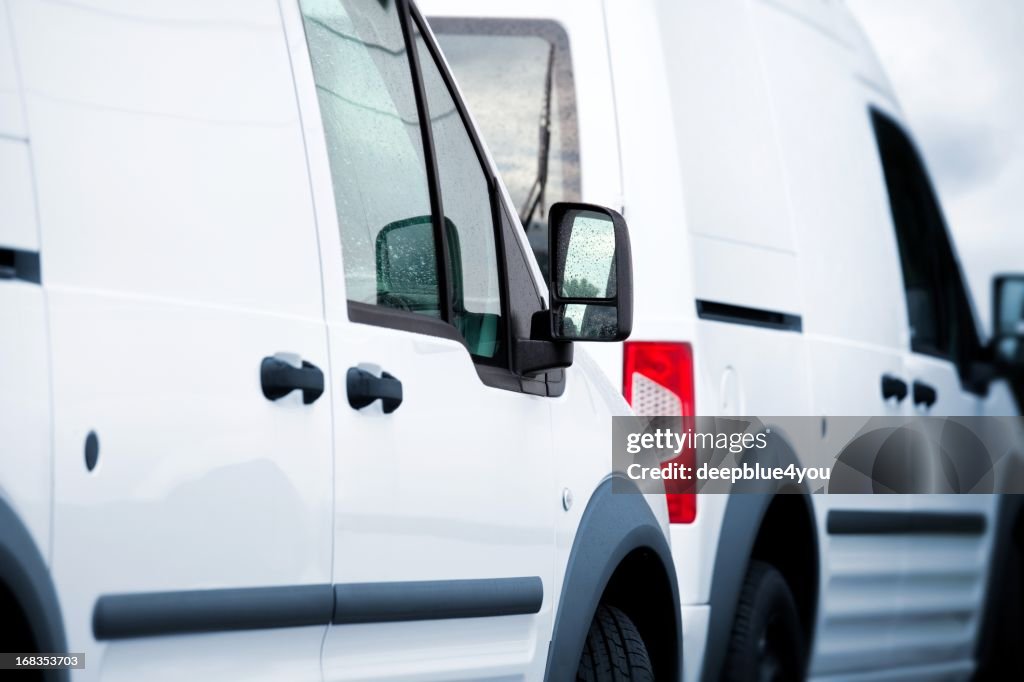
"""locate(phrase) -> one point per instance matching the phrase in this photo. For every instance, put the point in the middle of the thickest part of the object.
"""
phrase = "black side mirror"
(590, 280)
(1008, 323)
(590, 287)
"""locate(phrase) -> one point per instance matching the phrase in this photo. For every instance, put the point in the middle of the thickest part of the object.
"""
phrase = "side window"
(367, 90)
(516, 76)
(466, 201)
(938, 307)
(364, 84)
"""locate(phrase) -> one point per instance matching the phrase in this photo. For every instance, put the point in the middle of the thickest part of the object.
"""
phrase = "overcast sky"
(958, 70)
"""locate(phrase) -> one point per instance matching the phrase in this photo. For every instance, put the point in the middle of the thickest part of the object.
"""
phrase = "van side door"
(945, 566)
(192, 500)
(25, 406)
(445, 501)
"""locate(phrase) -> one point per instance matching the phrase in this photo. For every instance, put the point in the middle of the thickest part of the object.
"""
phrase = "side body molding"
(614, 527)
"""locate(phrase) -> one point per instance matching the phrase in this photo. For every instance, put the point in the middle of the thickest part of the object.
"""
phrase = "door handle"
(924, 394)
(280, 378)
(365, 387)
(893, 387)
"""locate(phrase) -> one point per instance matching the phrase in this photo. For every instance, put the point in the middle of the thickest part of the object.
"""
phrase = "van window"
(516, 77)
(466, 201)
(379, 150)
(364, 84)
(938, 308)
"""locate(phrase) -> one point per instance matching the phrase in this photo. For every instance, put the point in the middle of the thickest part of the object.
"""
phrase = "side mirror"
(1008, 323)
(407, 265)
(590, 280)
(590, 287)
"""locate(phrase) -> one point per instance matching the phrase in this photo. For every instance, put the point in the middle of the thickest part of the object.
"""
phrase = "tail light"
(657, 380)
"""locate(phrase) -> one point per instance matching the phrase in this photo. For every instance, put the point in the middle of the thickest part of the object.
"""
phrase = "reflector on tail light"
(657, 380)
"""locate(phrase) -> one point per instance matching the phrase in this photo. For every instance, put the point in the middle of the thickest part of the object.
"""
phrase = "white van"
(791, 259)
(265, 415)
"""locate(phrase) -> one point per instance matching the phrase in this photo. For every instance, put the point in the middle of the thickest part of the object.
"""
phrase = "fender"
(23, 570)
(1002, 626)
(744, 515)
(613, 525)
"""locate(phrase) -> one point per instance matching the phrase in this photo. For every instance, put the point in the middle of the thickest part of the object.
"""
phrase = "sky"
(957, 67)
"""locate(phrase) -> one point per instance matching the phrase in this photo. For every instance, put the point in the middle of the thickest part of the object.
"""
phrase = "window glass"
(516, 77)
(476, 287)
(374, 142)
(938, 307)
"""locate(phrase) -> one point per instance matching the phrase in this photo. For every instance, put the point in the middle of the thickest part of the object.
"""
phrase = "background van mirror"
(1008, 320)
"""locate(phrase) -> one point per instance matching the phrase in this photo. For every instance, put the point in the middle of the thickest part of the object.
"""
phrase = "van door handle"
(280, 378)
(365, 387)
(924, 394)
(893, 387)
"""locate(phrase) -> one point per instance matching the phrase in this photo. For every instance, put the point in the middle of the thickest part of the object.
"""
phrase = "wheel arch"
(771, 523)
(620, 553)
(25, 576)
(1002, 624)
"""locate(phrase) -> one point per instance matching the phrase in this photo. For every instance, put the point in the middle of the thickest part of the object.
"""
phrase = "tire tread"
(614, 650)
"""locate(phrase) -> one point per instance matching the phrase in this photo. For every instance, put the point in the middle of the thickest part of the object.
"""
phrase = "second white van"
(792, 259)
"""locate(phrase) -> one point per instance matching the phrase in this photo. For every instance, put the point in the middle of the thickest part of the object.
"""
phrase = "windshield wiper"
(535, 197)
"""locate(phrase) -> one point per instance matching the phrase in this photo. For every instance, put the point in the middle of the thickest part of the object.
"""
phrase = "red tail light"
(657, 380)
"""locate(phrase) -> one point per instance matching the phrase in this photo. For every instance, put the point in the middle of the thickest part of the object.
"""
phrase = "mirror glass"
(585, 269)
(588, 257)
(1011, 307)
(1009, 322)
(407, 266)
(593, 322)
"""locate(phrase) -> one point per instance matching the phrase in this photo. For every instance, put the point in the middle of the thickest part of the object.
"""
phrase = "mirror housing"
(590, 287)
(590, 274)
(1008, 324)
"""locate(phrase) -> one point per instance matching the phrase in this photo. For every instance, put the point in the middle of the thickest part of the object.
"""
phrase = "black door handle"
(280, 378)
(924, 394)
(364, 387)
(893, 387)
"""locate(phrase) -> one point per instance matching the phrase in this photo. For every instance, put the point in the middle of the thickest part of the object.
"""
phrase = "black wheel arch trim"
(25, 573)
(613, 526)
(744, 517)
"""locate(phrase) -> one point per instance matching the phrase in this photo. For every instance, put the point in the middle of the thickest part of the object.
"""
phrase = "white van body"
(168, 226)
(745, 160)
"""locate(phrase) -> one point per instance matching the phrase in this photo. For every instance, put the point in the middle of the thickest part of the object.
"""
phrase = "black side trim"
(436, 599)
(144, 614)
(149, 614)
(848, 522)
(23, 265)
(755, 317)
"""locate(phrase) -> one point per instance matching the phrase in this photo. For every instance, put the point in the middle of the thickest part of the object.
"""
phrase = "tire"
(767, 642)
(614, 650)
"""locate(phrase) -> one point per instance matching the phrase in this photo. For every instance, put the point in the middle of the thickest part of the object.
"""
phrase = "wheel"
(767, 643)
(614, 651)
